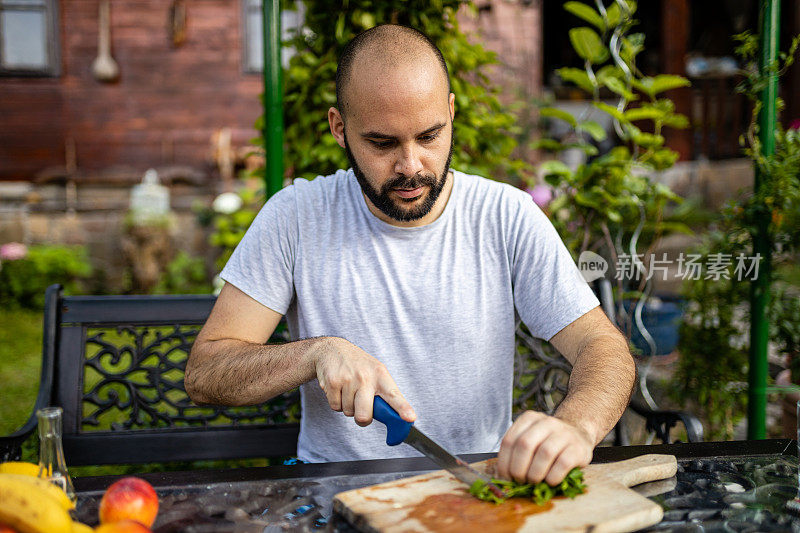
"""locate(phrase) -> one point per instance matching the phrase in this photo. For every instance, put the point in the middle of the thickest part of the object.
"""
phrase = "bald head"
(385, 48)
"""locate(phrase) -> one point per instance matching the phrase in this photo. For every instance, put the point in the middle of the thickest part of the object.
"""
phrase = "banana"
(44, 486)
(19, 467)
(80, 527)
(29, 509)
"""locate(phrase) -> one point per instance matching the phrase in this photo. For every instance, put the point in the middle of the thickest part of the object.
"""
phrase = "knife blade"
(399, 430)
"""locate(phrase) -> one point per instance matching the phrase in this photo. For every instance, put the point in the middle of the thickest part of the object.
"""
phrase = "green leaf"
(616, 86)
(660, 83)
(666, 82)
(340, 22)
(663, 158)
(613, 111)
(566, 116)
(554, 167)
(588, 45)
(587, 13)
(631, 46)
(367, 20)
(577, 76)
(676, 120)
(608, 71)
(594, 129)
(613, 15)
(644, 84)
(648, 140)
(644, 113)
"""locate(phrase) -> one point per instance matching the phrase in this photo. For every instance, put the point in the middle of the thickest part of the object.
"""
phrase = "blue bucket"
(661, 318)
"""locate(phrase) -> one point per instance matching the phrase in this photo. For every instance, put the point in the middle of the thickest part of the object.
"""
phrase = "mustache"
(410, 182)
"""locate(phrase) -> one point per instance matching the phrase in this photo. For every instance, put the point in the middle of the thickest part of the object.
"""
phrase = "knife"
(399, 430)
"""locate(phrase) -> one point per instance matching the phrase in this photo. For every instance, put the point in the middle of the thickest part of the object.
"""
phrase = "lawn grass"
(20, 365)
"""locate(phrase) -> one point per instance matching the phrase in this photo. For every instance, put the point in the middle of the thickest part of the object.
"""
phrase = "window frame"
(246, 7)
(53, 52)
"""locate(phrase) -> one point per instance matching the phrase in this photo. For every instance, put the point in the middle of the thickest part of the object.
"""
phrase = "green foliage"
(23, 281)
(714, 336)
(484, 131)
(540, 493)
(778, 197)
(612, 194)
(229, 228)
(184, 275)
(784, 314)
(714, 339)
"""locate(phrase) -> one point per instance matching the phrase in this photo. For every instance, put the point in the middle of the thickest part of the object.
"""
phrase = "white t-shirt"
(437, 304)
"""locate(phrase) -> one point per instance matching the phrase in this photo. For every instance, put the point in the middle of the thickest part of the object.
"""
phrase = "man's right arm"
(230, 365)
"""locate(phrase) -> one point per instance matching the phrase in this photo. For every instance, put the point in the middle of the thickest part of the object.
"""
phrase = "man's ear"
(337, 125)
(452, 102)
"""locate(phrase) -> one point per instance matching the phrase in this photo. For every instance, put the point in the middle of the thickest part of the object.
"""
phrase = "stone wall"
(33, 213)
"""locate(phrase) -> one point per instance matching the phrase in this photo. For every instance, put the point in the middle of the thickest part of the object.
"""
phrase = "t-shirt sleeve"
(262, 264)
(549, 291)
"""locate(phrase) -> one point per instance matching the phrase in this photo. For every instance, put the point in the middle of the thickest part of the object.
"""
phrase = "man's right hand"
(351, 378)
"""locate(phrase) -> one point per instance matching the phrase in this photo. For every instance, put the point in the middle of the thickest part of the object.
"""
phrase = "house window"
(253, 46)
(28, 38)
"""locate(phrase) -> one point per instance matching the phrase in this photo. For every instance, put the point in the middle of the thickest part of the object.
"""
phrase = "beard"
(396, 209)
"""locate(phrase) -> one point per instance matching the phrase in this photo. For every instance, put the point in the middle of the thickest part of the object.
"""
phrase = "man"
(405, 279)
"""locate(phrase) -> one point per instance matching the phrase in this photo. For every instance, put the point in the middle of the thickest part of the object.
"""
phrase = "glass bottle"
(52, 465)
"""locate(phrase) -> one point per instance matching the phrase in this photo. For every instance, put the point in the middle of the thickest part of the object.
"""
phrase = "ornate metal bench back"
(119, 372)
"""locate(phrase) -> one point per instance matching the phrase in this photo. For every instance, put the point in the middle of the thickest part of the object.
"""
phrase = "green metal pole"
(759, 288)
(273, 97)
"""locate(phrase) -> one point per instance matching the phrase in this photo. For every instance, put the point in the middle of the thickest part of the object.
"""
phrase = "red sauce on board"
(456, 513)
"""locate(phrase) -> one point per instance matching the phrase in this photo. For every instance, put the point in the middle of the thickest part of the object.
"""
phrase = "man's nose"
(408, 161)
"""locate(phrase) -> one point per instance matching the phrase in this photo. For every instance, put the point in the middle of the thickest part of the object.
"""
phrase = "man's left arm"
(540, 447)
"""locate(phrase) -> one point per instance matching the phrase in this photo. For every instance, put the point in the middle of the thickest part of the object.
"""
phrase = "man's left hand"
(541, 447)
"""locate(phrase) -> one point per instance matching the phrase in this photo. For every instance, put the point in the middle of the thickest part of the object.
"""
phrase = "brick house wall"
(163, 110)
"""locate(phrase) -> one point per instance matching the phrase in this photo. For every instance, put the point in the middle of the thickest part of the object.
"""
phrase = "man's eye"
(428, 138)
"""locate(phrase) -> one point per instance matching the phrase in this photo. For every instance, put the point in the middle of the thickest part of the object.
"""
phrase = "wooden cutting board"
(438, 502)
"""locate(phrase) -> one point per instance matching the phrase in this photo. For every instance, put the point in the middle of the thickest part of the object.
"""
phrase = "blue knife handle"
(397, 429)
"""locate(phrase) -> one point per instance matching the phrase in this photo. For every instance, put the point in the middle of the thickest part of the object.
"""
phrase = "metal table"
(720, 486)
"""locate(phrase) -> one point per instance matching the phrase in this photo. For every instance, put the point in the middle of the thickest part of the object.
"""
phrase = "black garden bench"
(115, 365)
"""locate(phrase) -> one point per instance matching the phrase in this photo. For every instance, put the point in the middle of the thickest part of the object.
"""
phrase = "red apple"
(130, 498)
(123, 526)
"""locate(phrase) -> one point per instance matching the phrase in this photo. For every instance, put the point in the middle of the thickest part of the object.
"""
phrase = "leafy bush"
(184, 275)
(23, 281)
(228, 228)
(711, 375)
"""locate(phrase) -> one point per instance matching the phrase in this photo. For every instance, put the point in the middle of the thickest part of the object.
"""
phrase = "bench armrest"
(11, 445)
(660, 422)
